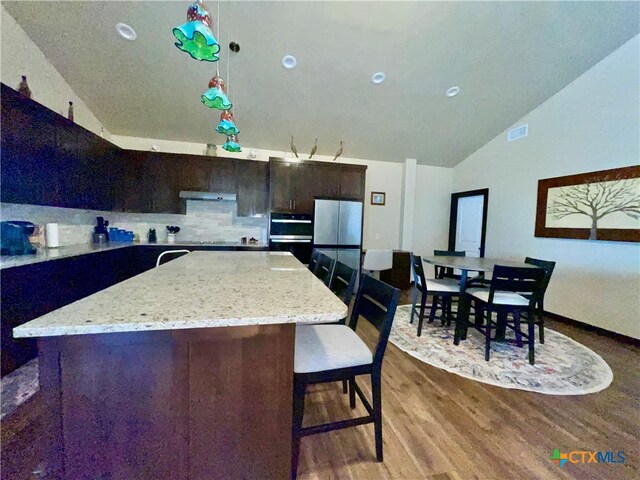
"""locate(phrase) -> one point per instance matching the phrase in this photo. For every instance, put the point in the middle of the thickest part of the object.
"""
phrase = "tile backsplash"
(204, 221)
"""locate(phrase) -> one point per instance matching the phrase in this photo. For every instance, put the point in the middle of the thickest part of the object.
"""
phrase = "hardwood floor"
(437, 425)
(440, 426)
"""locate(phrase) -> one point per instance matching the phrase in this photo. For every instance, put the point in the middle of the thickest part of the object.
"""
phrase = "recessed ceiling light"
(289, 62)
(452, 91)
(378, 78)
(126, 32)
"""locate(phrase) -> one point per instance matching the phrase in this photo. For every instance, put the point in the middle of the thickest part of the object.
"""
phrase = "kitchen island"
(183, 372)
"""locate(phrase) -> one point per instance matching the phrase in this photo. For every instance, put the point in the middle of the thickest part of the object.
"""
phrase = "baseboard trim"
(592, 328)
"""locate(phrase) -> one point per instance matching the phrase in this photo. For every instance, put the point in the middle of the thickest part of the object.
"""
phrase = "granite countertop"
(46, 254)
(200, 290)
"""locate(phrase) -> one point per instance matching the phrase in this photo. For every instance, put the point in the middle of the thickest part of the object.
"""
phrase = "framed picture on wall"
(378, 198)
(602, 205)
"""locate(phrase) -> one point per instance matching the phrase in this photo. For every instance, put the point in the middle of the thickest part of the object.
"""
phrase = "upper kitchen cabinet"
(49, 160)
(326, 181)
(252, 188)
(130, 194)
(291, 186)
(223, 176)
(161, 183)
(352, 181)
(295, 184)
(28, 165)
(196, 172)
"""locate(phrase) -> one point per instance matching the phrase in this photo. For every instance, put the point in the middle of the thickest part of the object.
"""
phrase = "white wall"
(592, 124)
(20, 56)
(432, 205)
(381, 223)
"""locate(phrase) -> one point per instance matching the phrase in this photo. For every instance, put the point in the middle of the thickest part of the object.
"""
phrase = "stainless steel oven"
(292, 232)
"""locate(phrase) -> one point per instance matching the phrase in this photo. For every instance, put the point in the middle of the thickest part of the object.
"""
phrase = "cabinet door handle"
(294, 204)
(290, 205)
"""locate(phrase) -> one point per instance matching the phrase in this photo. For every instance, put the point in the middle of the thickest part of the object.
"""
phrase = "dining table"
(466, 265)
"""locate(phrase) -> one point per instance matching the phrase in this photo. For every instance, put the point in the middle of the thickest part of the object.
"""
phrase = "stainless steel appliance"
(337, 230)
(292, 232)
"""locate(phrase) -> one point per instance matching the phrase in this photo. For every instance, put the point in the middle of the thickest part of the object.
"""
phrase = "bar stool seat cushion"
(499, 298)
(447, 285)
(328, 347)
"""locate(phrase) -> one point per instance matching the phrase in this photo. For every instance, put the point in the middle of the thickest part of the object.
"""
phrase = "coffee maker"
(14, 238)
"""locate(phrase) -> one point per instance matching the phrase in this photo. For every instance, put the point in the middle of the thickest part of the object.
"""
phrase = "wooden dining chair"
(548, 267)
(446, 272)
(170, 253)
(343, 281)
(315, 254)
(324, 268)
(442, 291)
(329, 353)
(513, 291)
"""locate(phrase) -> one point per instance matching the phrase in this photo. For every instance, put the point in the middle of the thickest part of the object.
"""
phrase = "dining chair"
(548, 266)
(442, 290)
(324, 268)
(446, 272)
(377, 260)
(343, 282)
(171, 252)
(513, 290)
(315, 254)
(329, 353)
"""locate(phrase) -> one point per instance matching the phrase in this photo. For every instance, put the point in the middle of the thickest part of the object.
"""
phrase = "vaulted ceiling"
(507, 58)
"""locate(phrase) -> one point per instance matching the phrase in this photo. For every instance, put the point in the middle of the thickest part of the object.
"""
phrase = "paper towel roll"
(53, 240)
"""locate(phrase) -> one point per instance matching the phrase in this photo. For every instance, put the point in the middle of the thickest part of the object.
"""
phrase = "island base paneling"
(179, 404)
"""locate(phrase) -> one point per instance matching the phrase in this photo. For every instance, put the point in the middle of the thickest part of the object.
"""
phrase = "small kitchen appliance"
(15, 238)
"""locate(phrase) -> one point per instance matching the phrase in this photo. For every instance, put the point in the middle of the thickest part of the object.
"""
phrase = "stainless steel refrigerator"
(337, 230)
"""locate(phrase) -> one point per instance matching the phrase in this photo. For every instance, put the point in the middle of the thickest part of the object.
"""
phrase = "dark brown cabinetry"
(49, 160)
(252, 188)
(352, 182)
(294, 185)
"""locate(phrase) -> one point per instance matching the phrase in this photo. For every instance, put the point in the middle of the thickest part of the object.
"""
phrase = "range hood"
(208, 196)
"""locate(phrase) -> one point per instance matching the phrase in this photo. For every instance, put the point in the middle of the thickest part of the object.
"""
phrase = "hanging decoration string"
(218, 31)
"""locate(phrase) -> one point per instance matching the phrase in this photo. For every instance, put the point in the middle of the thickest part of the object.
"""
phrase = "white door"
(469, 225)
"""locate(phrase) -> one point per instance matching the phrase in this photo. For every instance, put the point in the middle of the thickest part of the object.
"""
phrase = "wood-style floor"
(438, 425)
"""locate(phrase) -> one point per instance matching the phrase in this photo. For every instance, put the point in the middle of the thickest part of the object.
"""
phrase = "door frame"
(453, 216)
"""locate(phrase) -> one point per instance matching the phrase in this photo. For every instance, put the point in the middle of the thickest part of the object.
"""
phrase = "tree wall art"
(602, 205)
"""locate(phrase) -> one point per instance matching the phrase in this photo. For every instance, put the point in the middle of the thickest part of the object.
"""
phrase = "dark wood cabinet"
(291, 186)
(281, 185)
(64, 281)
(295, 185)
(252, 188)
(352, 182)
(49, 160)
(326, 180)
(223, 175)
(161, 184)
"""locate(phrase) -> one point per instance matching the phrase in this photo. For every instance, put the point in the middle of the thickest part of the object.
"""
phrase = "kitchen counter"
(46, 254)
(138, 383)
(199, 290)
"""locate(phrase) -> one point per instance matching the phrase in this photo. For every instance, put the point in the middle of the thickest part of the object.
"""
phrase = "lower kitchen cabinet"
(30, 291)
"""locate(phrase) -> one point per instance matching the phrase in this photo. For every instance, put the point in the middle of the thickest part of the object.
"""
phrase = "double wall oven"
(292, 232)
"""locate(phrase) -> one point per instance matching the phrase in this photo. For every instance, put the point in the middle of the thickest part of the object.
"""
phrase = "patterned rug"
(18, 387)
(563, 366)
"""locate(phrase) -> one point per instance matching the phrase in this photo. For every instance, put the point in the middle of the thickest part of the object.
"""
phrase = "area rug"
(18, 387)
(563, 366)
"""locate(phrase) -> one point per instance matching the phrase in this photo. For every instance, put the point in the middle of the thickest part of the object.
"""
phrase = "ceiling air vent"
(518, 132)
